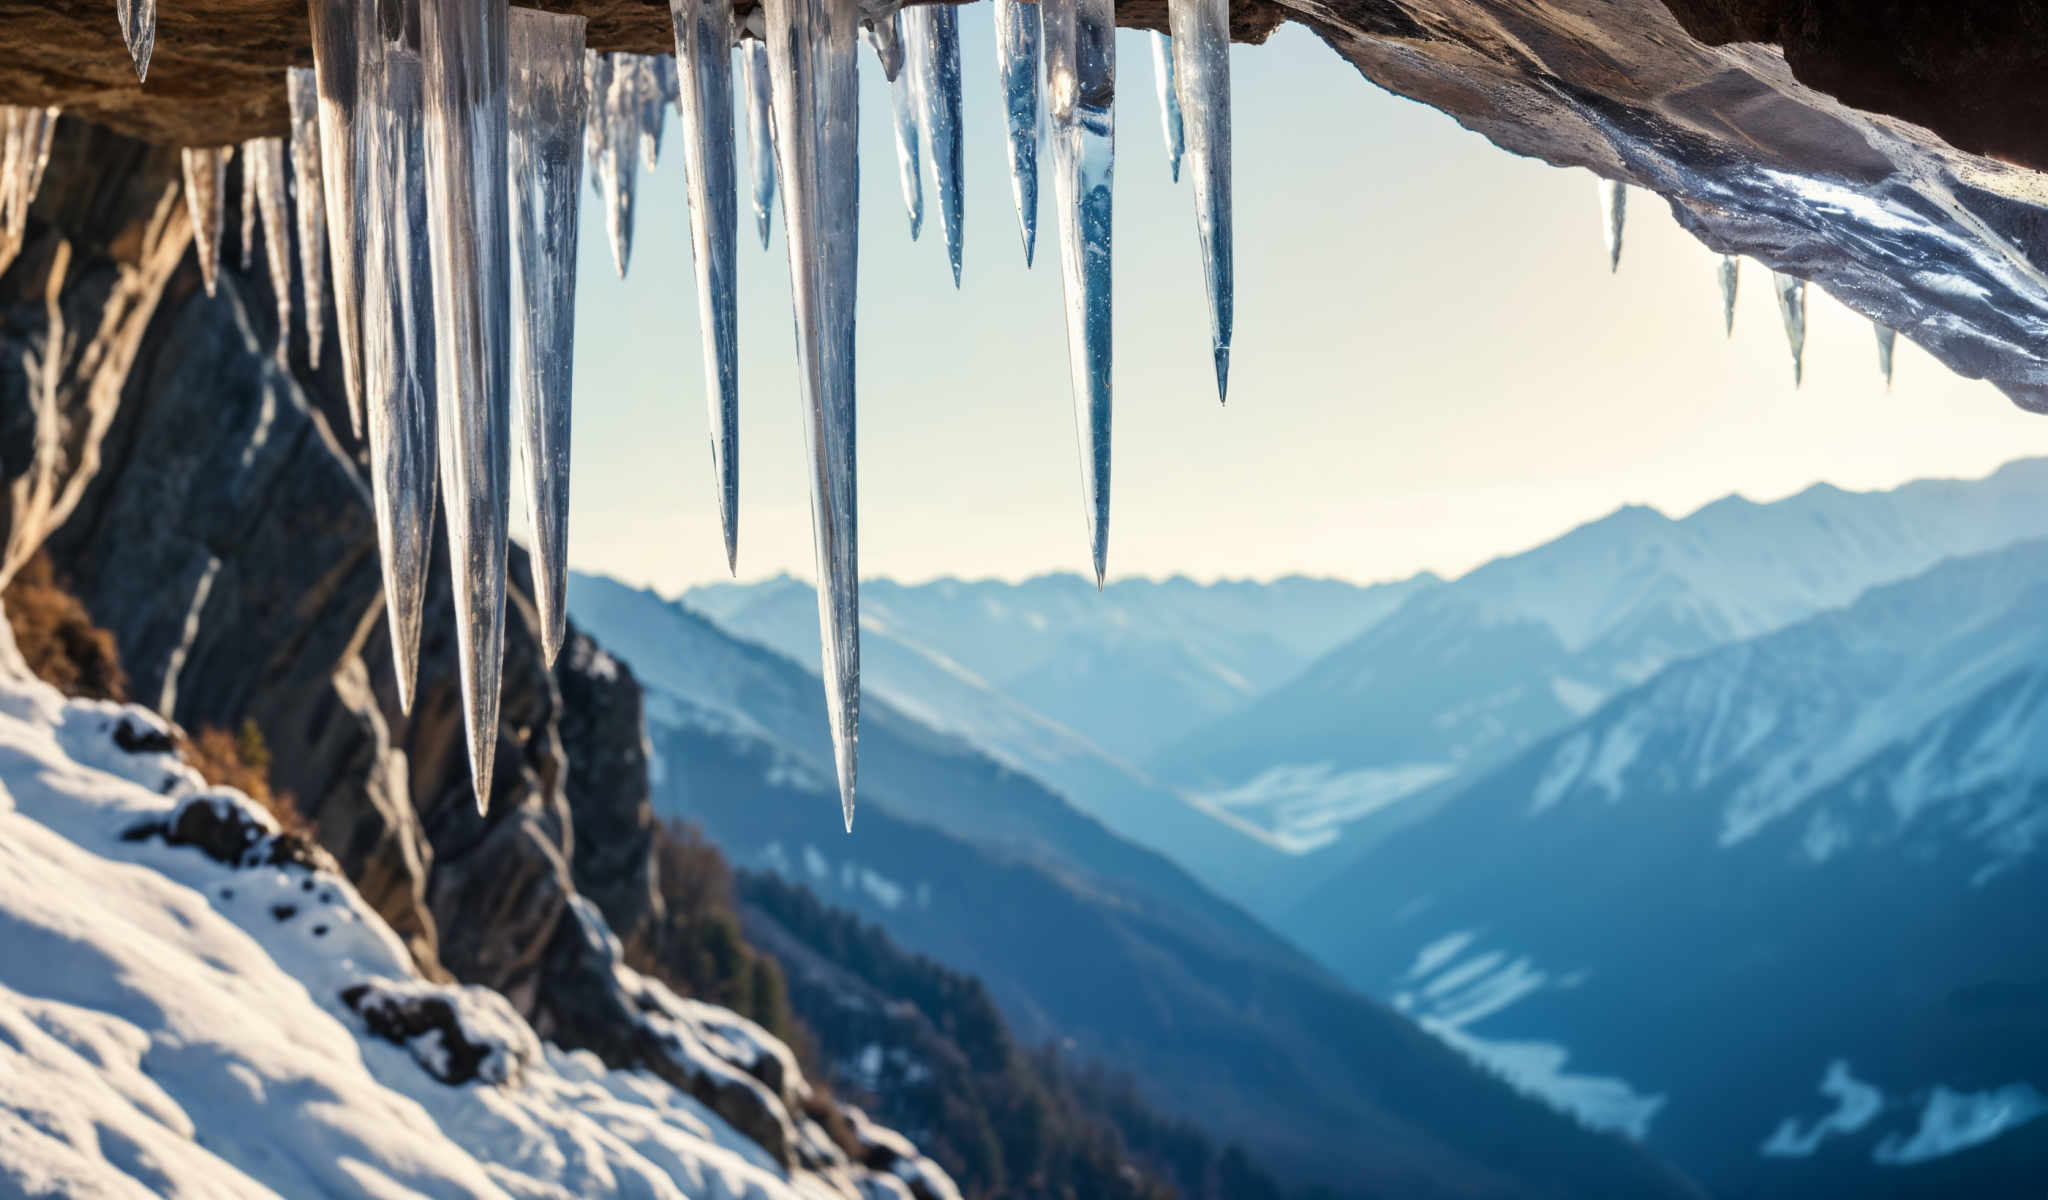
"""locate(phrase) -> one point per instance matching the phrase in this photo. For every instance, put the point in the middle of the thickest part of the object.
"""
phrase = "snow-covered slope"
(193, 1005)
(1467, 673)
(1796, 874)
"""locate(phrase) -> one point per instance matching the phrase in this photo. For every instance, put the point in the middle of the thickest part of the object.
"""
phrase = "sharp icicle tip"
(1201, 73)
(1018, 36)
(1728, 269)
(337, 61)
(264, 158)
(1170, 120)
(888, 38)
(304, 91)
(1887, 339)
(138, 30)
(760, 142)
(1792, 306)
(1613, 213)
(931, 46)
(206, 173)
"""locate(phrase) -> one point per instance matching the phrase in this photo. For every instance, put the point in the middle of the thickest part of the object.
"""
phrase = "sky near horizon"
(1432, 364)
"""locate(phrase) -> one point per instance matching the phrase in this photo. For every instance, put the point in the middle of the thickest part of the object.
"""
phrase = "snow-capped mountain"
(1082, 939)
(1778, 903)
(1465, 674)
(195, 1004)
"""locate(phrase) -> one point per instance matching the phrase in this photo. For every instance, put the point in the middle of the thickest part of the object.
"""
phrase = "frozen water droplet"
(1080, 56)
(1792, 305)
(545, 110)
(312, 206)
(263, 158)
(1017, 46)
(704, 34)
(815, 88)
(247, 231)
(760, 143)
(399, 349)
(903, 102)
(206, 173)
(25, 136)
(467, 182)
(340, 47)
(1201, 72)
(613, 116)
(1728, 269)
(1887, 338)
(1169, 101)
(1613, 213)
(931, 47)
(138, 29)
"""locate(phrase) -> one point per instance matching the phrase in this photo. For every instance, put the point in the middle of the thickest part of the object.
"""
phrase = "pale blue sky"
(1432, 364)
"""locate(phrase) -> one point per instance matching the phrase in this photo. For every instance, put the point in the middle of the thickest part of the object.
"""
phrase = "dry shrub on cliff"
(56, 635)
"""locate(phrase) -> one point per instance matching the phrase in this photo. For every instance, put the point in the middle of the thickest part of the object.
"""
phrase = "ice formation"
(1887, 337)
(613, 121)
(656, 88)
(335, 65)
(1080, 69)
(760, 142)
(25, 135)
(263, 164)
(247, 231)
(1169, 101)
(205, 180)
(312, 206)
(1017, 44)
(931, 48)
(814, 84)
(704, 36)
(1201, 73)
(545, 110)
(1727, 269)
(1613, 211)
(463, 44)
(398, 345)
(138, 29)
(886, 36)
(1792, 304)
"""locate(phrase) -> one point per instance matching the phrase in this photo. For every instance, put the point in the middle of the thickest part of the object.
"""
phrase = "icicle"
(138, 29)
(546, 111)
(1613, 211)
(1728, 268)
(760, 143)
(704, 65)
(1169, 100)
(1080, 55)
(816, 90)
(26, 134)
(337, 41)
(205, 179)
(1886, 338)
(931, 47)
(1017, 37)
(1201, 72)
(1792, 303)
(399, 350)
(263, 158)
(659, 89)
(464, 58)
(248, 227)
(902, 78)
(312, 206)
(612, 113)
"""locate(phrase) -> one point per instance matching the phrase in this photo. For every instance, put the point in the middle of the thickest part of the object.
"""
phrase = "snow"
(1304, 806)
(1955, 1121)
(171, 1025)
(1857, 1104)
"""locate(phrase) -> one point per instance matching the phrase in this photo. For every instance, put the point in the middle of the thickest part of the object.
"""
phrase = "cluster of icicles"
(1791, 291)
(435, 150)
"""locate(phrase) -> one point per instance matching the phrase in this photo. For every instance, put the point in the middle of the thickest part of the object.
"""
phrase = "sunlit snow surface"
(171, 1025)
(1947, 1121)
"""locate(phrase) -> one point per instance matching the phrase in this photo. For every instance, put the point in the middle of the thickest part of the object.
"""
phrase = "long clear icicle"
(1080, 59)
(1792, 305)
(704, 30)
(658, 89)
(1169, 101)
(206, 173)
(1728, 272)
(311, 214)
(612, 110)
(263, 159)
(464, 54)
(1017, 40)
(399, 350)
(138, 29)
(1201, 72)
(247, 231)
(1613, 214)
(340, 28)
(760, 143)
(815, 87)
(931, 48)
(546, 112)
(887, 39)
(25, 137)
(1887, 339)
